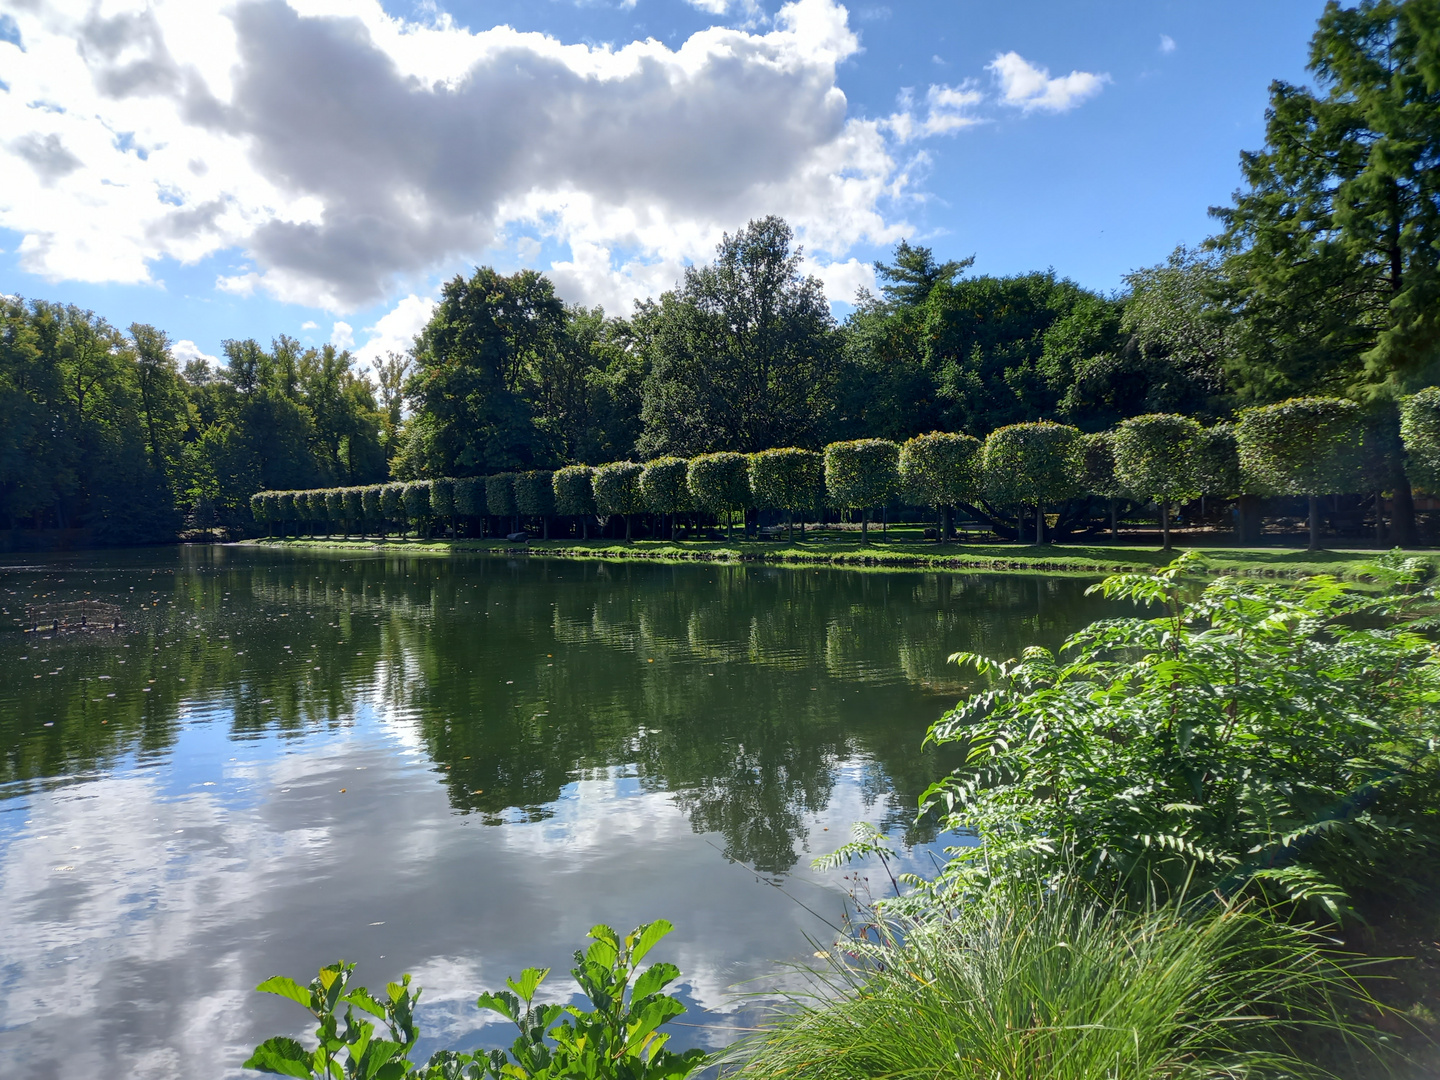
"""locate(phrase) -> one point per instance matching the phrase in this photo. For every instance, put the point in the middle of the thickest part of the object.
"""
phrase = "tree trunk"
(584, 527)
(1314, 523)
(864, 526)
(1040, 524)
(629, 519)
(948, 528)
(884, 524)
(1165, 525)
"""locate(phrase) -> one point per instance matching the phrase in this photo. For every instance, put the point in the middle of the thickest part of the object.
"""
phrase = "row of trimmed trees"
(1306, 446)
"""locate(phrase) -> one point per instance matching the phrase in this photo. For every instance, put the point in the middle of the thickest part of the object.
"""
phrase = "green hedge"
(1420, 432)
(574, 490)
(617, 490)
(664, 486)
(1028, 466)
(788, 479)
(941, 470)
(862, 474)
(1155, 460)
(720, 484)
(500, 495)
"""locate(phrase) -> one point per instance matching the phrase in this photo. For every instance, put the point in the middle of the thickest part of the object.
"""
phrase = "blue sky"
(317, 169)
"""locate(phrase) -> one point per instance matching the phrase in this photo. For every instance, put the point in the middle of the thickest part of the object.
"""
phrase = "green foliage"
(261, 505)
(618, 1038)
(372, 501)
(1155, 457)
(392, 501)
(500, 495)
(1282, 735)
(743, 355)
(442, 496)
(617, 488)
(941, 469)
(1053, 984)
(574, 490)
(1095, 465)
(862, 473)
(664, 487)
(1420, 430)
(535, 492)
(335, 505)
(417, 500)
(1304, 446)
(1030, 464)
(788, 479)
(1334, 244)
(720, 482)
(470, 496)
(285, 506)
(1217, 461)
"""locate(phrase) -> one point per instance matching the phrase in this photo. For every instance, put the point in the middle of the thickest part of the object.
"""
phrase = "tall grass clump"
(1034, 984)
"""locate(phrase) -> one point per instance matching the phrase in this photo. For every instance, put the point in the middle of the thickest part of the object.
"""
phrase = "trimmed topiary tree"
(861, 474)
(1305, 446)
(1155, 460)
(314, 509)
(392, 503)
(720, 484)
(575, 494)
(664, 487)
(1031, 465)
(1420, 433)
(1095, 472)
(260, 508)
(788, 479)
(470, 498)
(1217, 473)
(941, 470)
(500, 498)
(417, 505)
(617, 490)
(335, 509)
(442, 499)
(535, 496)
(371, 503)
(354, 509)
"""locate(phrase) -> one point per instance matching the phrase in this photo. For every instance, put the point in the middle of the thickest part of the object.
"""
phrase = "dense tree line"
(1321, 282)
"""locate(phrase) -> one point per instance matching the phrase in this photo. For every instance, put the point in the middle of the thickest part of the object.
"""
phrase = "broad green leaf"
(655, 978)
(503, 1003)
(286, 987)
(530, 980)
(648, 935)
(282, 1056)
(360, 997)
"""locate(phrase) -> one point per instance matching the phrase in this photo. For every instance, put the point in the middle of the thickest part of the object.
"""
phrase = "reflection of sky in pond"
(511, 775)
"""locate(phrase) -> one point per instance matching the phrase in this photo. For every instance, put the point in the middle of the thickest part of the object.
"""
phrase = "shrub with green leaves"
(862, 474)
(1304, 446)
(442, 497)
(335, 506)
(1155, 460)
(260, 506)
(789, 479)
(1030, 466)
(664, 485)
(617, 1038)
(392, 502)
(1278, 736)
(500, 495)
(1217, 461)
(575, 494)
(535, 493)
(470, 496)
(617, 490)
(1420, 432)
(942, 470)
(1095, 465)
(417, 504)
(535, 496)
(720, 484)
(285, 507)
(372, 502)
(353, 509)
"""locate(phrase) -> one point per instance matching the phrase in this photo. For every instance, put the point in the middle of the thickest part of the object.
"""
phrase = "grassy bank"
(842, 549)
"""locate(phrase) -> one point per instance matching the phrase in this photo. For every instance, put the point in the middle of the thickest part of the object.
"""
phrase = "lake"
(447, 766)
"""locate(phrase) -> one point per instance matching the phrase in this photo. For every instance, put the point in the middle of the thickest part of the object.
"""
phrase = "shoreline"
(1087, 560)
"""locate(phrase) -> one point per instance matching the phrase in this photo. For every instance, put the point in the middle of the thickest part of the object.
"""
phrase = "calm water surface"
(448, 767)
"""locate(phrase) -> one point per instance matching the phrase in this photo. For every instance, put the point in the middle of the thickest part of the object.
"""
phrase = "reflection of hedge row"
(1305, 446)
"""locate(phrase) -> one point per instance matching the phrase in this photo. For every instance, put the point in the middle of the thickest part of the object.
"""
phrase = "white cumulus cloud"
(1029, 87)
(347, 152)
(1167, 43)
(342, 335)
(395, 330)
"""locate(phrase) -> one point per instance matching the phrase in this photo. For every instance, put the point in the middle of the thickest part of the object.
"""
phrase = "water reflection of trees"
(738, 689)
